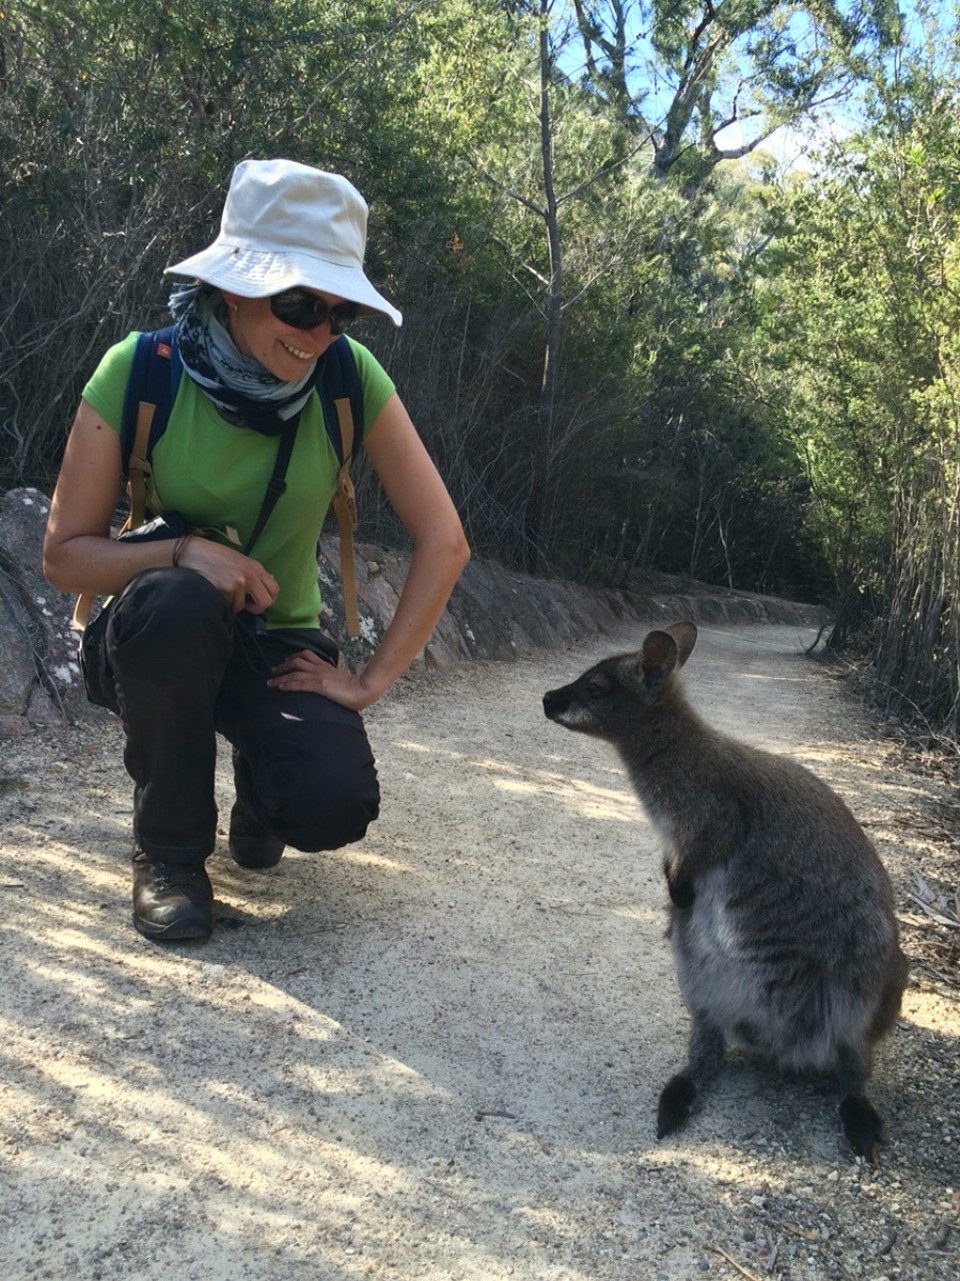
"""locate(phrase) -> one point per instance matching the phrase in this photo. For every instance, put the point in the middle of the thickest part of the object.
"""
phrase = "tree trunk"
(541, 480)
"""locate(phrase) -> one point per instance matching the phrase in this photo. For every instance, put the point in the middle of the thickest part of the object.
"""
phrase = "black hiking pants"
(171, 659)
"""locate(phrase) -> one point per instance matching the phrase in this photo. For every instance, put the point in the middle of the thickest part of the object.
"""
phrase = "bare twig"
(744, 1272)
(936, 915)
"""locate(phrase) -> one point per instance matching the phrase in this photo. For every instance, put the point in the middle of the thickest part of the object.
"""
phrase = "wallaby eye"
(597, 687)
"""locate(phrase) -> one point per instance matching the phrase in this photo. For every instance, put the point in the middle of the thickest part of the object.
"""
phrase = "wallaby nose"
(551, 703)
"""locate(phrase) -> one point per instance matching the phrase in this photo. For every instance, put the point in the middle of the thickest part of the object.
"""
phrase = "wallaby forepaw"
(677, 1100)
(863, 1127)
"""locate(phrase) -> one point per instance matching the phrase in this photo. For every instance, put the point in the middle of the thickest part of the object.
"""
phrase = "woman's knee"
(169, 617)
(327, 811)
(344, 823)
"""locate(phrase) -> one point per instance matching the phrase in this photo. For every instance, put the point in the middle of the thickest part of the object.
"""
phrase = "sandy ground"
(437, 1054)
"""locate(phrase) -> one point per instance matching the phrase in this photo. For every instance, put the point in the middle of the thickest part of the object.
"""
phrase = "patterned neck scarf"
(244, 392)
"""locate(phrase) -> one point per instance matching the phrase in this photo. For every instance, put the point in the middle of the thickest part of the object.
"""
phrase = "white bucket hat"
(285, 224)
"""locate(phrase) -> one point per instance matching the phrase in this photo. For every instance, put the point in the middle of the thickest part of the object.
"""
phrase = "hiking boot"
(171, 901)
(251, 845)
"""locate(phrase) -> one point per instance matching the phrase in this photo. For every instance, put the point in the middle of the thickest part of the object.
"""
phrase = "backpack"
(150, 395)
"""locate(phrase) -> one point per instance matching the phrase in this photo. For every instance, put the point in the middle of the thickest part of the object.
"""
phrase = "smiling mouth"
(295, 351)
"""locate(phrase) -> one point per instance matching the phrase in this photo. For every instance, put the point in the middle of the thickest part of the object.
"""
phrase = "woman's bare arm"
(79, 554)
(419, 497)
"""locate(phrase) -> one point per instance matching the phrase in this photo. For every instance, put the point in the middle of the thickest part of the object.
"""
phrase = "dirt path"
(437, 1055)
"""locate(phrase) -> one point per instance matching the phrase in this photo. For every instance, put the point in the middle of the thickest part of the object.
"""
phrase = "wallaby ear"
(685, 634)
(658, 658)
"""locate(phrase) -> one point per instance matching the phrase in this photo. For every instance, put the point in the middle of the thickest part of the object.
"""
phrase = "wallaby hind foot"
(678, 1102)
(861, 1122)
(681, 1094)
(862, 1126)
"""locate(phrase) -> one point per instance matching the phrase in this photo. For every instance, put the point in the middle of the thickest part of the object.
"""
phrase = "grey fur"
(782, 919)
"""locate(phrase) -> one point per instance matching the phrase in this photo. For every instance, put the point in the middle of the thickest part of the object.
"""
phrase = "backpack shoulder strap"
(341, 381)
(147, 400)
(150, 392)
(341, 397)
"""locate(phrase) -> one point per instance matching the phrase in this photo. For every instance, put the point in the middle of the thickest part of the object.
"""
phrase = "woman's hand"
(241, 581)
(308, 671)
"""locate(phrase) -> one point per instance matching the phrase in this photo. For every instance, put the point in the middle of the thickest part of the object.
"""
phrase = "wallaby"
(782, 924)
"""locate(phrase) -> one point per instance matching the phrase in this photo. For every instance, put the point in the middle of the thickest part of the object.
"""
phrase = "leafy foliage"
(860, 342)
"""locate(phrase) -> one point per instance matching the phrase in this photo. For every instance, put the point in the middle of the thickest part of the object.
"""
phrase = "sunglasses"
(303, 310)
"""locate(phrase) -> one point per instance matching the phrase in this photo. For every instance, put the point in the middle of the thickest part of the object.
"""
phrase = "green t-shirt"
(216, 474)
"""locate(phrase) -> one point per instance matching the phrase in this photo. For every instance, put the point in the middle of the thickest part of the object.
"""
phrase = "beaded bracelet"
(179, 547)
